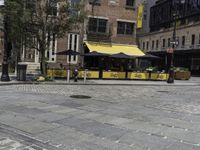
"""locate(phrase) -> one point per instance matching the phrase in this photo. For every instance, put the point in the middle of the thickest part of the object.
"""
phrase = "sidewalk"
(194, 81)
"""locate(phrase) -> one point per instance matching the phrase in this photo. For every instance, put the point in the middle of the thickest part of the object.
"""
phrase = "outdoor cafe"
(112, 61)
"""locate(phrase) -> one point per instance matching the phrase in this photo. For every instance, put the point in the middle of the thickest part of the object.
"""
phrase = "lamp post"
(174, 42)
(7, 49)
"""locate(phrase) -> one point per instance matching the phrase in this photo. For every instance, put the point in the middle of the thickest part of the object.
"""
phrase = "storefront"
(111, 61)
(124, 61)
(183, 58)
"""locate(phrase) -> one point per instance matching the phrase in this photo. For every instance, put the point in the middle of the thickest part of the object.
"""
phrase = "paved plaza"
(116, 117)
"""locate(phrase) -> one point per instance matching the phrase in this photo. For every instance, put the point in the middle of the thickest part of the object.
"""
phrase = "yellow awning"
(131, 50)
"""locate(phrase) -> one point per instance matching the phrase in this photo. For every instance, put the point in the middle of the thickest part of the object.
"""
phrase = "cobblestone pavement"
(46, 117)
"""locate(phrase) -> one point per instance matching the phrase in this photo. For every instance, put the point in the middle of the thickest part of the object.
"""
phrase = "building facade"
(107, 21)
(161, 25)
(111, 21)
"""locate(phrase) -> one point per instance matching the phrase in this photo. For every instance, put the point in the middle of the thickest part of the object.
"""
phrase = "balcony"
(100, 36)
(95, 2)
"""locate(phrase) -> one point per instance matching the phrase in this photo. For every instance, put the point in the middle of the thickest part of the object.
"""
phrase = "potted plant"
(182, 73)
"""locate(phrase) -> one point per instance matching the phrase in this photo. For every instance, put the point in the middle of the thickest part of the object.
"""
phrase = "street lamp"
(7, 48)
(174, 42)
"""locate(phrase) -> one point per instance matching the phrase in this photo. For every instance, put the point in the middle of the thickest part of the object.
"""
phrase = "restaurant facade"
(158, 40)
(108, 42)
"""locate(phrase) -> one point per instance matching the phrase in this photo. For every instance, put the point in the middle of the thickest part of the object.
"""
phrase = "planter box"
(185, 75)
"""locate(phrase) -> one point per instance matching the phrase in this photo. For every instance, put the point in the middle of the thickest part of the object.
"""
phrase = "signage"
(140, 16)
(114, 75)
(138, 75)
(89, 74)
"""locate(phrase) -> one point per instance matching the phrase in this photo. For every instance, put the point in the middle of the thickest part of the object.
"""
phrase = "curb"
(96, 84)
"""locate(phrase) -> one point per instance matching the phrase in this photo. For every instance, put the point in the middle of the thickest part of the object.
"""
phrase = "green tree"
(52, 17)
(15, 20)
(35, 20)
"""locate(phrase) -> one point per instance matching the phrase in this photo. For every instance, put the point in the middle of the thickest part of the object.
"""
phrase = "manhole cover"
(163, 91)
(80, 96)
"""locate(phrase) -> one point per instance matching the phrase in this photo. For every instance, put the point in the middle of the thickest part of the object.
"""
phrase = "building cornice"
(168, 30)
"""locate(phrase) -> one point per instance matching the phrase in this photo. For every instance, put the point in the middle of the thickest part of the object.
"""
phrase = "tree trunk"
(43, 60)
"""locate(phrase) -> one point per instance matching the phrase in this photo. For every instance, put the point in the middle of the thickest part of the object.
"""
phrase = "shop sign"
(89, 74)
(159, 76)
(138, 75)
(114, 75)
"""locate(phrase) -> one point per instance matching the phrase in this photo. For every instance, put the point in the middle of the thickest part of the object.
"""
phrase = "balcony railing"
(100, 36)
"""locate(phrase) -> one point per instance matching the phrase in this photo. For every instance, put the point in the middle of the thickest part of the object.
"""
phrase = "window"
(52, 9)
(152, 45)
(125, 28)
(147, 45)
(51, 41)
(74, 10)
(97, 25)
(183, 40)
(177, 41)
(143, 45)
(193, 39)
(157, 43)
(169, 44)
(73, 44)
(130, 3)
(199, 38)
(31, 5)
(163, 42)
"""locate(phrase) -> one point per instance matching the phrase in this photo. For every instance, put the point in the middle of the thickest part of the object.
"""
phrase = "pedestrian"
(75, 74)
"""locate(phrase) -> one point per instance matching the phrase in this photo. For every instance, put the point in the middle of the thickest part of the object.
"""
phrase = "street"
(99, 117)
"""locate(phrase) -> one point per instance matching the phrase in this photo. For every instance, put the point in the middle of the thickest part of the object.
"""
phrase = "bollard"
(68, 76)
(75, 74)
(85, 75)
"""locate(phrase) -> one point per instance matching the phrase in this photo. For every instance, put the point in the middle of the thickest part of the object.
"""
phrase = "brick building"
(157, 40)
(108, 21)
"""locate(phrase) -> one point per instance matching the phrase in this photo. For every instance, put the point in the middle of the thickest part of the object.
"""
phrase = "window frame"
(193, 40)
(152, 44)
(126, 28)
(163, 43)
(73, 42)
(132, 5)
(97, 26)
(183, 41)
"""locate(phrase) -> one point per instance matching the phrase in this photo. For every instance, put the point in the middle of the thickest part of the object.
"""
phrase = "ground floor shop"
(183, 58)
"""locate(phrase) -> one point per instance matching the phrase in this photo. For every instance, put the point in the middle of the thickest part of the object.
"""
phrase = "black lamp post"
(7, 49)
(174, 42)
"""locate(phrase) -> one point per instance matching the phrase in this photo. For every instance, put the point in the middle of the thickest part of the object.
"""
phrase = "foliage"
(34, 23)
(152, 69)
(181, 69)
(43, 78)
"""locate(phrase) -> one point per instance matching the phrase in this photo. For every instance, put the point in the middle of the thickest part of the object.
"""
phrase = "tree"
(13, 28)
(52, 19)
(40, 21)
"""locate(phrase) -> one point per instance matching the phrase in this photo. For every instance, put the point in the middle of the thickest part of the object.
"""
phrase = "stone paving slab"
(115, 118)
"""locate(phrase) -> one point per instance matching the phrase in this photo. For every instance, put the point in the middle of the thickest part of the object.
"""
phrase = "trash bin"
(21, 72)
